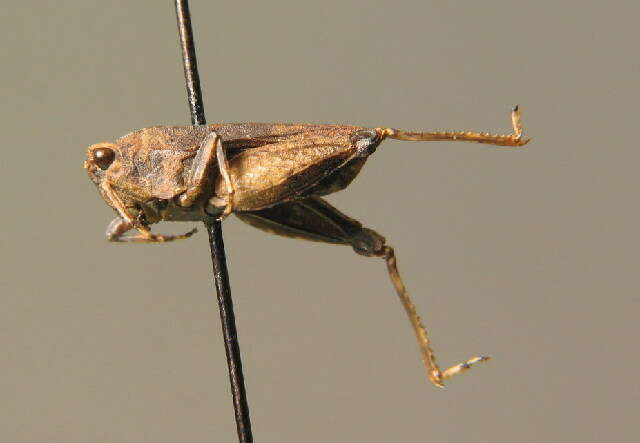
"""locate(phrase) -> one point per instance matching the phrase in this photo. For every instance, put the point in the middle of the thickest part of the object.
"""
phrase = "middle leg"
(210, 149)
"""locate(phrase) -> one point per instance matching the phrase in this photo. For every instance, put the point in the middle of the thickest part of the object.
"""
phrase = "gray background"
(527, 255)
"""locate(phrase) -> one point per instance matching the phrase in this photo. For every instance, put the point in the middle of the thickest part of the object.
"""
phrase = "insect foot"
(159, 238)
(117, 229)
(457, 369)
(371, 244)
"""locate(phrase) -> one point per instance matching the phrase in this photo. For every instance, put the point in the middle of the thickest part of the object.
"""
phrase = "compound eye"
(103, 157)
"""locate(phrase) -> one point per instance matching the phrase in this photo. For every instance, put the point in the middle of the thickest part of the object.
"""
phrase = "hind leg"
(315, 219)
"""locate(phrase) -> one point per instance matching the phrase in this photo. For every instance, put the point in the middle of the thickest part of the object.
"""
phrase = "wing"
(273, 163)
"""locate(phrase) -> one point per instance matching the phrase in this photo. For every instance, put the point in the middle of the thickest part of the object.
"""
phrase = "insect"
(271, 176)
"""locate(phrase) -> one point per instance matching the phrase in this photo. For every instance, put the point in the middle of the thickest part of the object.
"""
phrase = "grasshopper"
(270, 175)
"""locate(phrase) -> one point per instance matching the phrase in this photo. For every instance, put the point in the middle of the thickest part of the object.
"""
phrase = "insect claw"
(159, 238)
(190, 233)
(182, 236)
(462, 367)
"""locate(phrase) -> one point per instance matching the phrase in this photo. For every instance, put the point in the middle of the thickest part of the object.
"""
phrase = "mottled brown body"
(268, 163)
(271, 175)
